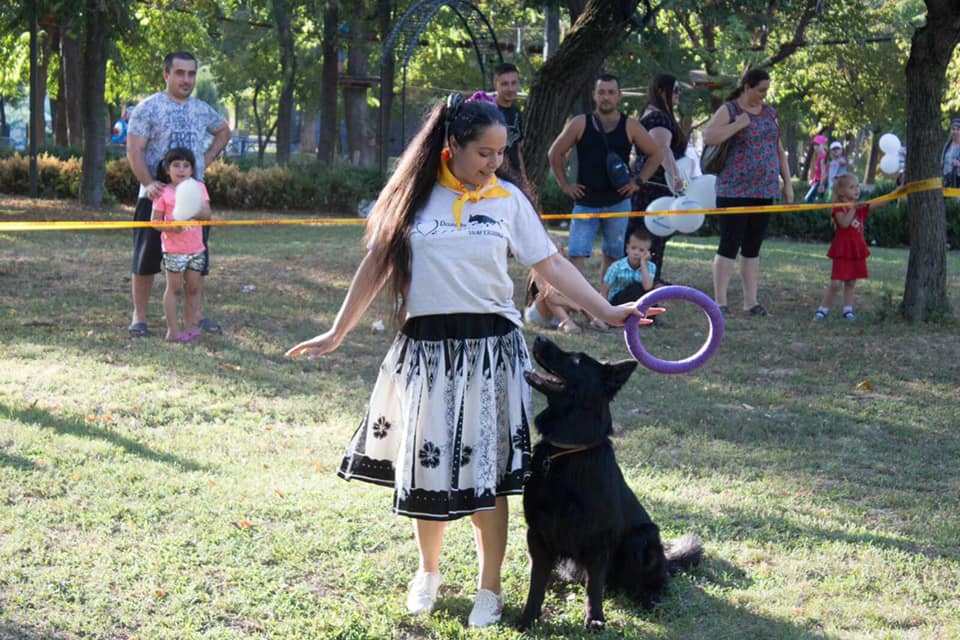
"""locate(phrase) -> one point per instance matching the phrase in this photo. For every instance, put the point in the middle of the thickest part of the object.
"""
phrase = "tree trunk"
(70, 90)
(925, 290)
(356, 112)
(288, 73)
(551, 29)
(308, 117)
(387, 76)
(870, 171)
(94, 171)
(576, 64)
(327, 148)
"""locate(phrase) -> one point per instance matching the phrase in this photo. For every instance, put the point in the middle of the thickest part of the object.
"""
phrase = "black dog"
(579, 510)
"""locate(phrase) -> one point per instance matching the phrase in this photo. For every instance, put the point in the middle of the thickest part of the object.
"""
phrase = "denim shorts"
(584, 230)
(180, 262)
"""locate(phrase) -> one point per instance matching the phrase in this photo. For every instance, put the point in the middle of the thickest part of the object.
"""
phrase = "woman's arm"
(663, 137)
(366, 283)
(720, 127)
(559, 272)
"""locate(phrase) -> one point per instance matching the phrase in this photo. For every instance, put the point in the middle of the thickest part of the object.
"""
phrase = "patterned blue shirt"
(166, 124)
(620, 275)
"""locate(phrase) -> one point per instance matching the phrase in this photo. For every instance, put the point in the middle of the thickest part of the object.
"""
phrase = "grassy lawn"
(153, 490)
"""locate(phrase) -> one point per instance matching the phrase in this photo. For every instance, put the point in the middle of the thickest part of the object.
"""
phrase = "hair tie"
(481, 96)
(453, 104)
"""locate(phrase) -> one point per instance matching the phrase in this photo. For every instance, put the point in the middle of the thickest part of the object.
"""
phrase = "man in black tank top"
(593, 192)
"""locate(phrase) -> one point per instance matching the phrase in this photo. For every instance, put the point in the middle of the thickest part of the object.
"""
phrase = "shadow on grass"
(73, 426)
(17, 462)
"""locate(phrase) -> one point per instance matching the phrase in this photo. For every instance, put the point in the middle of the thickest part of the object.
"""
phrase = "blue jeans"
(583, 231)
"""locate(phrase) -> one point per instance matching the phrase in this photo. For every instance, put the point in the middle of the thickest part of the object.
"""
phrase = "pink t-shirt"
(190, 239)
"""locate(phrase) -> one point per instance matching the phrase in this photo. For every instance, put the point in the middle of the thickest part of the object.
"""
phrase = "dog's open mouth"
(547, 381)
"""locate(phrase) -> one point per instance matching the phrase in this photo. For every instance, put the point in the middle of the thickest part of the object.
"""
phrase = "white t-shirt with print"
(464, 270)
(167, 124)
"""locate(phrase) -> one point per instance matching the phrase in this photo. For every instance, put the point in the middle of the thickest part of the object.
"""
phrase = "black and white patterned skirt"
(447, 423)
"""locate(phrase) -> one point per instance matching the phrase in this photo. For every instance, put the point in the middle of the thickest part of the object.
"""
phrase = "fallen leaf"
(231, 367)
(280, 493)
(865, 385)
(160, 593)
(242, 524)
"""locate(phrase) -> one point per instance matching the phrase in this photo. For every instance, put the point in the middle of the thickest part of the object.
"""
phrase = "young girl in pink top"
(184, 256)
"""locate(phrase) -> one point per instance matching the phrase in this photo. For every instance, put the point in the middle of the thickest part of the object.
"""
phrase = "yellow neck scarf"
(446, 178)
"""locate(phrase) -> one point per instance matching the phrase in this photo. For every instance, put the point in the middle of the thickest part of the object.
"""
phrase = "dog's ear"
(616, 374)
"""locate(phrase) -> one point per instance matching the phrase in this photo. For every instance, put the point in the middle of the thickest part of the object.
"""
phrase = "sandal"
(758, 310)
(209, 326)
(569, 326)
(599, 325)
(819, 316)
(849, 315)
(188, 336)
(138, 330)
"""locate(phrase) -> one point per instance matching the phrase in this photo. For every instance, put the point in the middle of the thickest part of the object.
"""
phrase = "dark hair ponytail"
(750, 79)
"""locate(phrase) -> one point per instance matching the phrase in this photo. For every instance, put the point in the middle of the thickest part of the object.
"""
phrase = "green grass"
(152, 490)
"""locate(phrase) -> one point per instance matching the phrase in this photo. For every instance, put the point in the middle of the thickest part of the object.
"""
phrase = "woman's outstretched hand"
(316, 346)
(618, 315)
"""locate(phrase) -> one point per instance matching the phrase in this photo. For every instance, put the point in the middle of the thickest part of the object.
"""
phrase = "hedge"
(337, 188)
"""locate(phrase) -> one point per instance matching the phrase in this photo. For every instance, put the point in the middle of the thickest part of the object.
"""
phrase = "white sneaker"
(423, 592)
(487, 608)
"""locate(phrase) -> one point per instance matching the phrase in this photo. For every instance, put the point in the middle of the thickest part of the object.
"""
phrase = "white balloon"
(889, 143)
(703, 190)
(188, 200)
(659, 225)
(662, 203)
(685, 167)
(689, 222)
(890, 164)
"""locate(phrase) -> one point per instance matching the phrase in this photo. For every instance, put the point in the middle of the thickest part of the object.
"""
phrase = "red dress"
(849, 248)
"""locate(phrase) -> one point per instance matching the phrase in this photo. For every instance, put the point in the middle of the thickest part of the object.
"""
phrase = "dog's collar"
(567, 449)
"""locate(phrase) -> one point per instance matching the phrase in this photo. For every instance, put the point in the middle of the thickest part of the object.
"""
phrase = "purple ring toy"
(631, 329)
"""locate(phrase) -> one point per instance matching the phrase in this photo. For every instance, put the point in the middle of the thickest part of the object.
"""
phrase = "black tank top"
(592, 161)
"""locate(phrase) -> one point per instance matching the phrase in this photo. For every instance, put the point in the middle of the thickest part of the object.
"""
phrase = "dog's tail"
(683, 554)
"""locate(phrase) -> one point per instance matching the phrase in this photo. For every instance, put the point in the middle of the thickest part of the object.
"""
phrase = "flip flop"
(187, 336)
(209, 326)
(138, 330)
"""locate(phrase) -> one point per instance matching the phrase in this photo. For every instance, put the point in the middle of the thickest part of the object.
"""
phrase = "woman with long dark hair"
(752, 176)
(447, 422)
(660, 120)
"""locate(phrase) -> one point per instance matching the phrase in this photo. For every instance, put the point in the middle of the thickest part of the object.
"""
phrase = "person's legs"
(429, 536)
(147, 255)
(749, 274)
(582, 233)
(490, 534)
(722, 272)
(171, 300)
(193, 291)
(754, 232)
(614, 238)
(831, 293)
(848, 292)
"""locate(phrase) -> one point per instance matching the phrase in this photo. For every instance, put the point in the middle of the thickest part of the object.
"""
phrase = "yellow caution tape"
(78, 225)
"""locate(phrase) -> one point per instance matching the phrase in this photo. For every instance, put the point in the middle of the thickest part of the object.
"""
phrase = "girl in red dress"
(849, 249)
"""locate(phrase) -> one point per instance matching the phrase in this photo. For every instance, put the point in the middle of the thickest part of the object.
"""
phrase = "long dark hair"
(408, 189)
(660, 96)
(751, 78)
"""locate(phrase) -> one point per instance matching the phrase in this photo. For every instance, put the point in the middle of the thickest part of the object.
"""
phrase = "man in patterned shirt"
(167, 119)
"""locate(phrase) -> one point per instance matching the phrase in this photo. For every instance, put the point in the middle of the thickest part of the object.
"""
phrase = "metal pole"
(36, 105)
